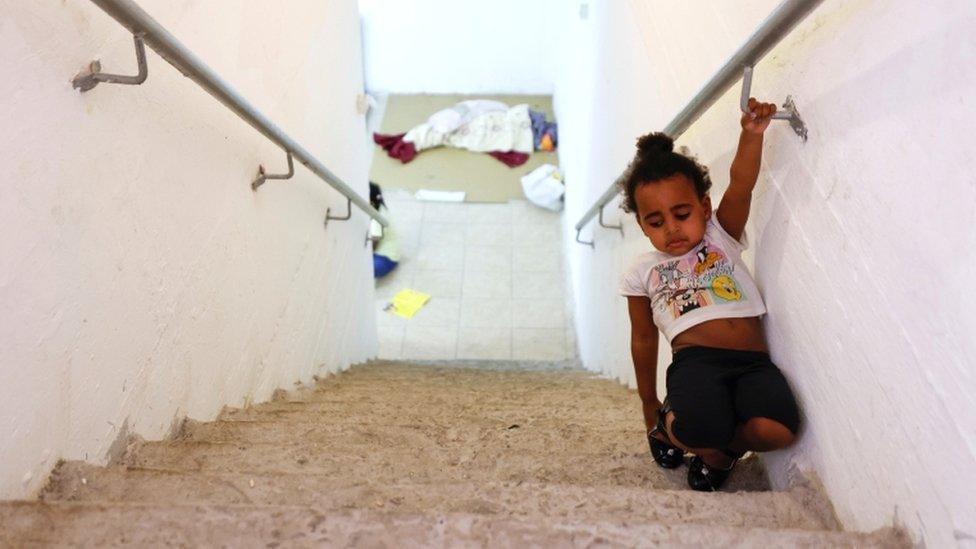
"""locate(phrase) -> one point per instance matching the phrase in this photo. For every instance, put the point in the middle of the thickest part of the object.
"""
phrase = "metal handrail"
(134, 18)
(770, 32)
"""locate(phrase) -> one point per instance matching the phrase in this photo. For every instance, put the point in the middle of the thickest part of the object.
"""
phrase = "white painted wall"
(141, 280)
(862, 236)
(460, 46)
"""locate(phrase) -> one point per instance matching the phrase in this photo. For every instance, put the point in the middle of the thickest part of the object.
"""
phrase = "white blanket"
(450, 119)
(495, 130)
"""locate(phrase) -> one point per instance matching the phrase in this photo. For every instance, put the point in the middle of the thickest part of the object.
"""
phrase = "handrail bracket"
(789, 112)
(330, 217)
(799, 127)
(618, 226)
(93, 75)
(262, 177)
(590, 243)
(584, 242)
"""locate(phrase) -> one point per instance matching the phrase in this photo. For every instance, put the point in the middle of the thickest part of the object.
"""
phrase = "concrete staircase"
(419, 454)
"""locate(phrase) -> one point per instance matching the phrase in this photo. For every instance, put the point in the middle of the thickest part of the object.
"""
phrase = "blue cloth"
(540, 127)
(382, 265)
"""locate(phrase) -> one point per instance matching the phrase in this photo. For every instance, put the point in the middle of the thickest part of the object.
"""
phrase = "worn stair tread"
(399, 432)
(584, 466)
(526, 437)
(115, 524)
(472, 417)
(76, 481)
(446, 367)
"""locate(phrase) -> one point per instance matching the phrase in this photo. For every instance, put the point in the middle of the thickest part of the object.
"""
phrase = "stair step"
(102, 524)
(633, 467)
(444, 382)
(483, 416)
(417, 434)
(77, 481)
(529, 437)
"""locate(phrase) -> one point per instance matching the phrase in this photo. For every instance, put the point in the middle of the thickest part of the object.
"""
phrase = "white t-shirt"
(708, 282)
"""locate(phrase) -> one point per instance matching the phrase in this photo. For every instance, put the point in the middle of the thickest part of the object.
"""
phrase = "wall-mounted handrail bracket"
(587, 243)
(262, 177)
(799, 127)
(93, 75)
(618, 226)
(330, 217)
(789, 112)
(590, 243)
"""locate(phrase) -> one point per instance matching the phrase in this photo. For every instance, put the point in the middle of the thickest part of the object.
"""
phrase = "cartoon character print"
(669, 276)
(724, 286)
(676, 291)
(700, 279)
(706, 259)
(686, 301)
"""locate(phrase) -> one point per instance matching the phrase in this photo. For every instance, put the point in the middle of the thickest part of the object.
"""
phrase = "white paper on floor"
(440, 196)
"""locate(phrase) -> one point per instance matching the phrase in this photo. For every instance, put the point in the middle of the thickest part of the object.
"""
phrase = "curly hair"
(656, 160)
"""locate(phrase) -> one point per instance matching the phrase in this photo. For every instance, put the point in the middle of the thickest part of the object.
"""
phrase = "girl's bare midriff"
(741, 334)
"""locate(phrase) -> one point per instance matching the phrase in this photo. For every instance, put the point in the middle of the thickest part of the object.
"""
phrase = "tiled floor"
(495, 274)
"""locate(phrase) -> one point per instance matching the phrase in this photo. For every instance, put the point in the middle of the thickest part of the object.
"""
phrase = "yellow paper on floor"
(407, 302)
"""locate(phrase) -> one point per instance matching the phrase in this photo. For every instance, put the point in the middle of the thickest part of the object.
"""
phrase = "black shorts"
(713, 390)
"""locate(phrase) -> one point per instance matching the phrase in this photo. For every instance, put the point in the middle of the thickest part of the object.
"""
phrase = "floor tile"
(404, 215)
(442, 234)
(537, 258)
(485, 343)
(488, 235)
(408, 238)
(438, 283)
(429, 342)
(486, 313)
(526, 213)
(494, 259)
(489, 214)
(540, 285)
(439, 311)
(536, 235)
(538, 313)
(539, 344)
(445, 212)
(484, 284)
(440, 258)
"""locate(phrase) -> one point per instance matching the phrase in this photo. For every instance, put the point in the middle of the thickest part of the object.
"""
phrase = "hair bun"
(654, 144)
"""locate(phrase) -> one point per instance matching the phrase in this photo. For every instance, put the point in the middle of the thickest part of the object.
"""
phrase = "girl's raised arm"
(733, 211)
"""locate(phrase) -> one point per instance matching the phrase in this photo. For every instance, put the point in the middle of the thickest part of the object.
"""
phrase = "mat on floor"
(480, 176)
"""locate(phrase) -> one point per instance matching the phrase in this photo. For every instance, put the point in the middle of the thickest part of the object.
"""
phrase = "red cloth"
(404, 151)
(511, 158)
(396, 147)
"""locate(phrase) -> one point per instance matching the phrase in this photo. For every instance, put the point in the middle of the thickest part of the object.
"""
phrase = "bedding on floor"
(476, 125)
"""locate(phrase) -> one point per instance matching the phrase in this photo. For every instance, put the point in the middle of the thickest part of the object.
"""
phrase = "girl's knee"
(772, 434)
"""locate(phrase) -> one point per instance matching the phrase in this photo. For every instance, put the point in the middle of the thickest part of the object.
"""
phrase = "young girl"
(724, 395)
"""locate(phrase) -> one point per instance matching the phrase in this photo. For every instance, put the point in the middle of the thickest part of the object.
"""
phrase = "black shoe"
(664, 453)
(705, 478)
